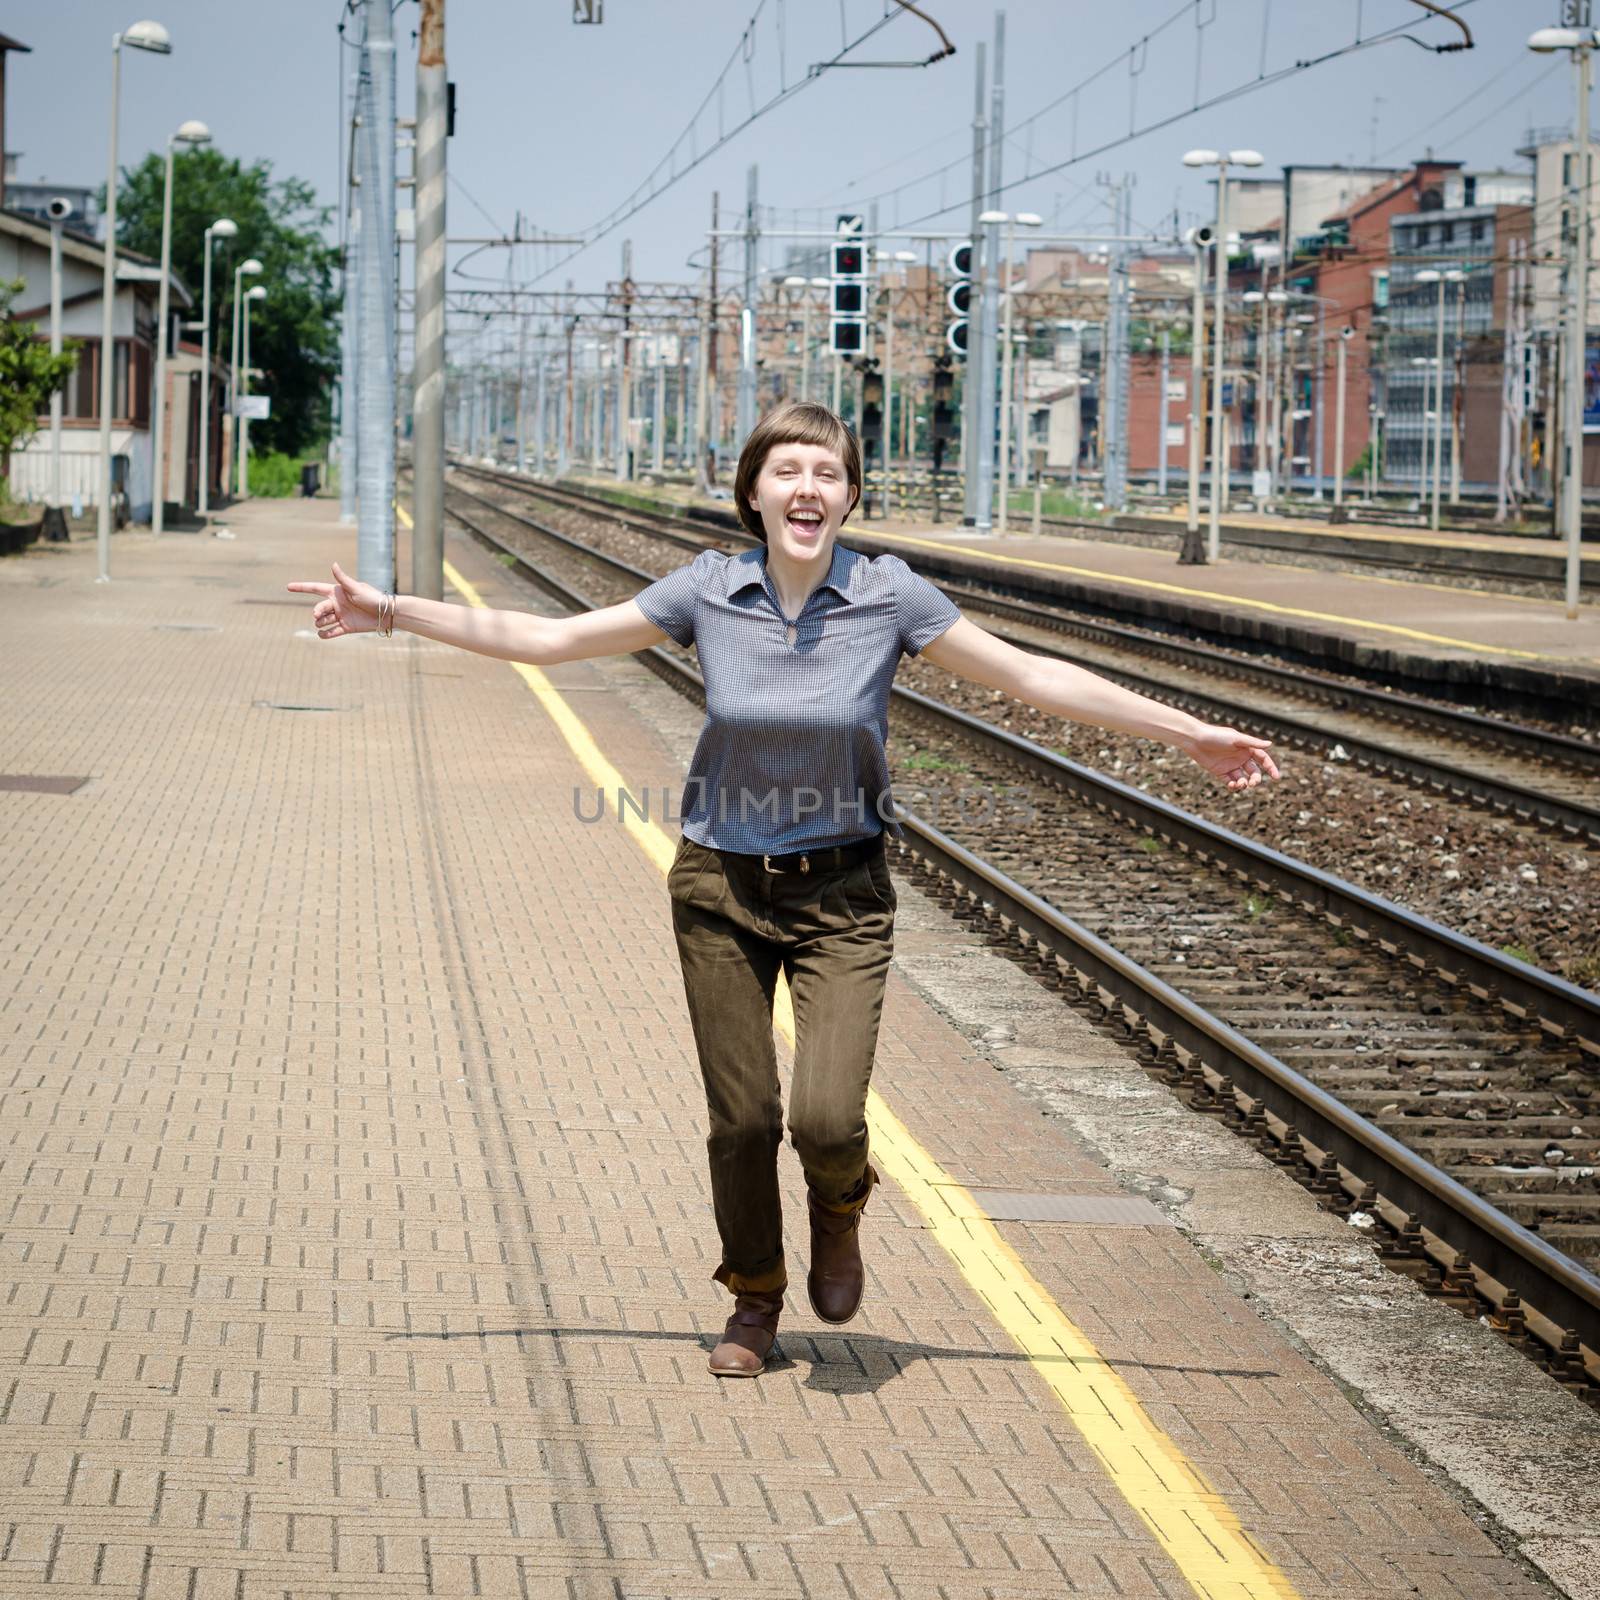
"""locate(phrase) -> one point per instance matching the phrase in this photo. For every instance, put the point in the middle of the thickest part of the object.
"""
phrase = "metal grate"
(1096, 1210)
(25, 783)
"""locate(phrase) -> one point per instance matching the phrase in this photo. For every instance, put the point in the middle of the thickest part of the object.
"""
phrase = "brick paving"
(354, 1228)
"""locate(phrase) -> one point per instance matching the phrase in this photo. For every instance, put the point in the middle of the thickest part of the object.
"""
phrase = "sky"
(560, 123)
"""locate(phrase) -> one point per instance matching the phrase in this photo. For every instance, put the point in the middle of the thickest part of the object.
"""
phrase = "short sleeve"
(924, 612)
(669, 602)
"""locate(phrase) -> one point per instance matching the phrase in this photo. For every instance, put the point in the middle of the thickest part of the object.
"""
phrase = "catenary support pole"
(1219, 457)
(375, 492)
(1192, 552)
(1582, 206)
(989, 321)
(428, 365)
(1338, 425)
(1161, 447)
(746, 418)
(974, 373)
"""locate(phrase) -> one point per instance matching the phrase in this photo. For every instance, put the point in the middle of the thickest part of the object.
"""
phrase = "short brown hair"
(798, 422)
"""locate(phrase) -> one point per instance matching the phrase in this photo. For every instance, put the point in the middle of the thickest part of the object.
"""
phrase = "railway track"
(1536, 775)
(1432, 1089)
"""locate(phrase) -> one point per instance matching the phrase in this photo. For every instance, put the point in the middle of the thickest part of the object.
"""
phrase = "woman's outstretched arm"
(349, 606)
(1240, 759)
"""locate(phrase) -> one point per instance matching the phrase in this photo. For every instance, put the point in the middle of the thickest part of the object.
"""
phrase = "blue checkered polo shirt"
(791, 756)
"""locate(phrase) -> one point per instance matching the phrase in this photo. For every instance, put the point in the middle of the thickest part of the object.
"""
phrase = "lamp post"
(1580, 42)
(1429, 275)
(257, 293)
(222, 228)
(1027, 219)
(248, 268)
(1221, 161)
(190, 133)
(150, 36)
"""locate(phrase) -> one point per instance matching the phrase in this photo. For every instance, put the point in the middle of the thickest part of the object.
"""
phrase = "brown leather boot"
(748, 1339)
(837, 1277)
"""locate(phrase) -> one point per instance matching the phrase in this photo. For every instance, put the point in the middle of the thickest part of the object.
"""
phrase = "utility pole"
(658, 412)
(1161, 458)
(971, 410)
(622, 443)
(540, 405)
(427, 372)
(349, 338)
(375, 527)
(710, 425)
(1192, 551)
(1115, 379)
(746, 415)
(522, 391)
(988, 330)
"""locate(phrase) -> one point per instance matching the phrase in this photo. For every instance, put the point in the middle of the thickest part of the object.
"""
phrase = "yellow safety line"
(1229, 599)
(1190, 1520)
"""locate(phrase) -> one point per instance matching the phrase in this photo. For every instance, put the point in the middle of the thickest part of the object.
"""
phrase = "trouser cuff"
(772, 1278)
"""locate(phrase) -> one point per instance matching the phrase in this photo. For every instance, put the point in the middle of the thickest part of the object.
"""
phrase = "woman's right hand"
(347, 605)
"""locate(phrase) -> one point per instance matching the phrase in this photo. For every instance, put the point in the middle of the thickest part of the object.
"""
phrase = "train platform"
(355, 1233)
(1369, 610)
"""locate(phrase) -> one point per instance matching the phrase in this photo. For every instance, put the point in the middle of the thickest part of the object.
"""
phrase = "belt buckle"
(778, 872)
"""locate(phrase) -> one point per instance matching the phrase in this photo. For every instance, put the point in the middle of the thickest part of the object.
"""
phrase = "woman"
(781, 863)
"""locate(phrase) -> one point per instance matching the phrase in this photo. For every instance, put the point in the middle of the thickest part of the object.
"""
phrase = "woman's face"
(803, 495)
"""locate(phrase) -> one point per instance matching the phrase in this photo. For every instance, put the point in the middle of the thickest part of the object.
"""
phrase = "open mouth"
(808, 524)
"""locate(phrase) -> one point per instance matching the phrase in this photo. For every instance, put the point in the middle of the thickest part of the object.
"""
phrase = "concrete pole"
(974, 380)
(375, 525)
(244, 422)
(1161, 448)
(428, 366)
(1438, 406)
(1338, 427)
(349, 325)
(1319, 389)
(1458, 393)
(1190, 553)
(1581, 202)
(746, 416)
(1219, 460)
(988, 322)
(658, 416)
(205, 378)
(108, 296)
(540, 405)
(1263, 428)
(1005, 382)
(522, 391)
(158, 487)
(888, 397)
(55, 350)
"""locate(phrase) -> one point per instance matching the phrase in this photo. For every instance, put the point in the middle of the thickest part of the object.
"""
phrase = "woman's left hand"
(1239, 759)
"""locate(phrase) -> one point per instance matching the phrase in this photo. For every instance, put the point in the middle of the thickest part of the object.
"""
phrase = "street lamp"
(1428, 275)
(1221, 161)
(150, 36)
(1027, 219)
(1580, 41)
(191, 133)
(222, 228)
(248, 268)
(257, 293)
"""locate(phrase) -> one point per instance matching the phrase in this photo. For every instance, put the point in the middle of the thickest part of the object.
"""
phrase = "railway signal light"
(847, 327)
(946, 426)
(871, 404)
(959, 298)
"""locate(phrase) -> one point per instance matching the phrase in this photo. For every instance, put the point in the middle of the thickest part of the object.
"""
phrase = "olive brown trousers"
(831, 933)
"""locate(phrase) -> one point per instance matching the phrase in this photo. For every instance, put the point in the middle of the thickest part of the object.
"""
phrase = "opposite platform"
(356, 1232)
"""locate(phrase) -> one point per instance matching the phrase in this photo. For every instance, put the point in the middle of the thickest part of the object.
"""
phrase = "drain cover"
(1098, 1210)
(24, 783)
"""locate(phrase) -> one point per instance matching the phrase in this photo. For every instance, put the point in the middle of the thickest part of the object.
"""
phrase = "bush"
(274, 476)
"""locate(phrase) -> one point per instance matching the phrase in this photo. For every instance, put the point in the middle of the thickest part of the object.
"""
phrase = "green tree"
(29, 374)
(294, 336)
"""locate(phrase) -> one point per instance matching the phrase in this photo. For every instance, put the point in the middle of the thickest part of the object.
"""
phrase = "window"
(80, 398)
(1477, 230)
(1424, 234)
(1447, 231)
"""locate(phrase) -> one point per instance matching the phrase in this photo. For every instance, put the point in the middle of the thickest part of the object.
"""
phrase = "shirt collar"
(749, 568)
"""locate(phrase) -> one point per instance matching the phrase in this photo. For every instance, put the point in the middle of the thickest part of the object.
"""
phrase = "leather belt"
(830, 859)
